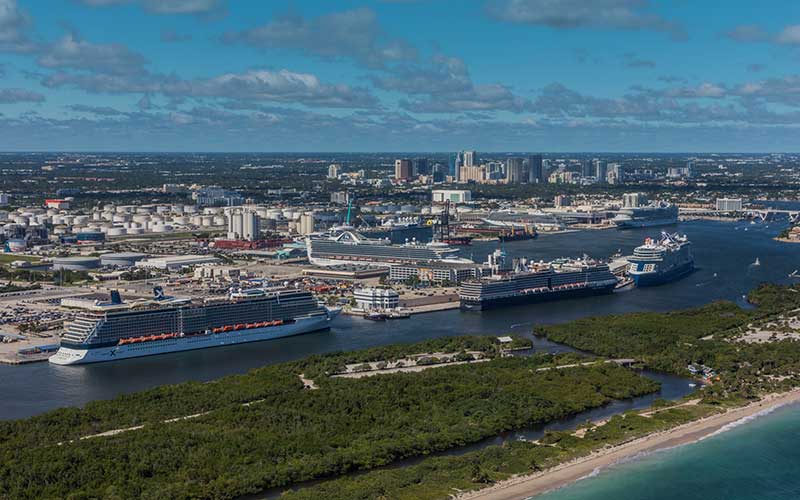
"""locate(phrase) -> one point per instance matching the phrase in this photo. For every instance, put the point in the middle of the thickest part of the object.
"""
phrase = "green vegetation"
(263, 429)
(665, 341)
(440, 477)
(671, 341)
(6, 258)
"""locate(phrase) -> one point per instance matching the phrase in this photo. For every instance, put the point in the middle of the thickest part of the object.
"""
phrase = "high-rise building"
(600, 170)
(634, 200)
(536, 170)
(474, 174)
(439, 172)
(729, 204)
(587, 169)
(402, 169)
(333, 171)
(615, 174)
(514, 170)
(470, 158)
(420, 167)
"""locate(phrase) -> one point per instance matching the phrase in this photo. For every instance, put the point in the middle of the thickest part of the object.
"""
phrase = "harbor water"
(724, 254)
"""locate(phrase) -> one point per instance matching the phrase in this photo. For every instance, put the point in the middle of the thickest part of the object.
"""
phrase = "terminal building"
(439, 273)
(376, 298)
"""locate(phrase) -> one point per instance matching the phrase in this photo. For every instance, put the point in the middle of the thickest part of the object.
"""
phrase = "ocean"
(756, 461)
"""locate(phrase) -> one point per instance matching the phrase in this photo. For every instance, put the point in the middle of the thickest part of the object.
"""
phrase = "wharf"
(28, 350)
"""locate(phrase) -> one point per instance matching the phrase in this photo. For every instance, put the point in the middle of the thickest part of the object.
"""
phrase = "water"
(754, 461)
(723, 254)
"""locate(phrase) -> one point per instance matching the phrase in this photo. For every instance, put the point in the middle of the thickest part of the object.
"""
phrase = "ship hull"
(75, 356)
(661, 278)
(469, 305)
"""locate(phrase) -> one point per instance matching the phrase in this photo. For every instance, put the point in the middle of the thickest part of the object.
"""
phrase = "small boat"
(399, 315)
(375, 316)
(757, 262)
(794, 274)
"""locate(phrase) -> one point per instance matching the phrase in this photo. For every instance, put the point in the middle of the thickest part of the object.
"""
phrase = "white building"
(729, 204)
(634, 200)
(454, 195)
(333, 171)
(376, 298)
(174, 262)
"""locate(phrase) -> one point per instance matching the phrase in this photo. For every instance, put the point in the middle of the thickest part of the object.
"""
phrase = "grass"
(7, 258)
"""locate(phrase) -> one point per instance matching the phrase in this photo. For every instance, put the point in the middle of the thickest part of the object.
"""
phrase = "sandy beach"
(520, 487)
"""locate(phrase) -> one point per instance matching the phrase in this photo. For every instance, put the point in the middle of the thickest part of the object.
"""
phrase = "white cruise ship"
(117, 330)
(346, 246)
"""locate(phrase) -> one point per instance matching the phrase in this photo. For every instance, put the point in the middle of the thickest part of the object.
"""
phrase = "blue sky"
(399, 75)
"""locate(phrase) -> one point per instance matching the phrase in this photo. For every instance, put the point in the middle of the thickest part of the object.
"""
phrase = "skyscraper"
(587, 169)
(420, 166)
(600, 170)
(402, 169)
(470, 158)
(514, 170)
(333, 171)
(536, 171)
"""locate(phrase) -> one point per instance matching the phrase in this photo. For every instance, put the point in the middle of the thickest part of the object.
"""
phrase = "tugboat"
(375, 316)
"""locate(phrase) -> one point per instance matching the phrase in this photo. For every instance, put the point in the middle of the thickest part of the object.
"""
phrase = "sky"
(400, 75)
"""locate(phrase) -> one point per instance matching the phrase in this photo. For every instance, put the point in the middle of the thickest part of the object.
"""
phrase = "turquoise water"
(757, 460)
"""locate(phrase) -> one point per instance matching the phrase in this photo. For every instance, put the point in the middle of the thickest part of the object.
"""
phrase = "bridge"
(750, 213)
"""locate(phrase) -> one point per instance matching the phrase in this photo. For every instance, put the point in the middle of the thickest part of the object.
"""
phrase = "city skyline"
(497, 75)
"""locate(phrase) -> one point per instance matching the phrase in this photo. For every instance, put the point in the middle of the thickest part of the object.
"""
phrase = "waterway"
(724, 254)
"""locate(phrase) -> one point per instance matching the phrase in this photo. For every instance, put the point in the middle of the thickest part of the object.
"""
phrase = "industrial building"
(77, 263)
(175, 262)
(121, 260)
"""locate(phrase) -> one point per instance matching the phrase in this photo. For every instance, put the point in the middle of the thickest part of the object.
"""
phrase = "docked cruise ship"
(659, 214)
(116, 330)
(346, 246)
(658, 262)
(526, 282)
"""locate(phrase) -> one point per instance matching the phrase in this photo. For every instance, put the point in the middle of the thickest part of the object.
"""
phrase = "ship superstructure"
(347, 246)
(112, 331)
(527, 282)
(658, 214)
(662, 261)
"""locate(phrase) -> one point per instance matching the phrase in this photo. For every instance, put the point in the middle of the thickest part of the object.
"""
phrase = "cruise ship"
(117, 330)
(526, 282)
(346, 246)
(659, 214)
(658, 262)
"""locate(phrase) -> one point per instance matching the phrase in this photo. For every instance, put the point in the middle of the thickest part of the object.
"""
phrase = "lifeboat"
(250, 325)
(216, 330)
(227, 328)
(239, 326)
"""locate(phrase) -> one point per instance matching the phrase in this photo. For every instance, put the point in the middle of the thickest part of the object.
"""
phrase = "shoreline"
(522, 487)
